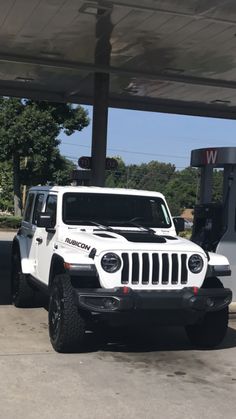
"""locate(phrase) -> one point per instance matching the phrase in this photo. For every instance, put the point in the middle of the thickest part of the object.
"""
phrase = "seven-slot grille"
(154, 268)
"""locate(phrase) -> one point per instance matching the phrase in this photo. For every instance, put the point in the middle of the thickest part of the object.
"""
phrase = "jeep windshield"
(115, 210)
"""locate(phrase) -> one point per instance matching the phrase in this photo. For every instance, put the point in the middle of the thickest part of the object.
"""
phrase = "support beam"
(165, 75)
(206, 184)
(99, 134)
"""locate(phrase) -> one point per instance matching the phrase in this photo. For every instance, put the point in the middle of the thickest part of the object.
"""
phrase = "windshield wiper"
(95, 223)
(133, 222)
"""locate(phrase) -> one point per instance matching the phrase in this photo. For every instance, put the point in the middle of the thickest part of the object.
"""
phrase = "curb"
(8, 230)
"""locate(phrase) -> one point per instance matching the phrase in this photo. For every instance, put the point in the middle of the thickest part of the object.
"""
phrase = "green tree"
(180, 187)
(217, 185)
(155, 176)
(29, 139)
(117, 178)
(181, 190)
(151, 176)
(6, 187)
(62, 176)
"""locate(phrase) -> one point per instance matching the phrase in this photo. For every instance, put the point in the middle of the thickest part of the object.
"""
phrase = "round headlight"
(195, 264)
(111, 262)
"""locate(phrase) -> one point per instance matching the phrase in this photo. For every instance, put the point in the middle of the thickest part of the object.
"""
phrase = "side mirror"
(179, 224)
(46, 220)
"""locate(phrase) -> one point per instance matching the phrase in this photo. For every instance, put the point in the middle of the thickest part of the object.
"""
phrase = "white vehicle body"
(113, 254)
(73, 243)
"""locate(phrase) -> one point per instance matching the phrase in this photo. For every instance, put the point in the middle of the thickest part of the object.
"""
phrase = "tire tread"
(72, 333)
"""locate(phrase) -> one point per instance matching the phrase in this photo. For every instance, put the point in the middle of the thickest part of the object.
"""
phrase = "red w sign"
(211, 156)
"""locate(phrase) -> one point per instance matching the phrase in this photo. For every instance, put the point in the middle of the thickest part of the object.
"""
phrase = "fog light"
(102, 303)
(110, 303)
(210, 302)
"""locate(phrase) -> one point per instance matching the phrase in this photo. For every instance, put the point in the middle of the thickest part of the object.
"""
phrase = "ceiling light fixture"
(50, 54)
(24, 79)
(226, 102)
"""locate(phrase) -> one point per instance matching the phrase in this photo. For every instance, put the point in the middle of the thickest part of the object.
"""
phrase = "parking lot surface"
(145, 374)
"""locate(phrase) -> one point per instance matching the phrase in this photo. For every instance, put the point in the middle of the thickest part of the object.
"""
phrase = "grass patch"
(9, 221)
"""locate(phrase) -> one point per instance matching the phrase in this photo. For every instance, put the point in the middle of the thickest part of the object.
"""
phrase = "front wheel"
(66, 325)
(211, 330)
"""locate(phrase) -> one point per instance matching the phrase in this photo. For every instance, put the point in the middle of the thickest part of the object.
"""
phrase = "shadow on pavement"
(152, 340)
(5, 269)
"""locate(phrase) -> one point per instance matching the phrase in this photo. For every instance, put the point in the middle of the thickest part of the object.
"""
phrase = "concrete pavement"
(147, 375)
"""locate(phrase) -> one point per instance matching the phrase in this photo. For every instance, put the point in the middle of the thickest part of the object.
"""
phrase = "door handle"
(39, 240)
(30, 236)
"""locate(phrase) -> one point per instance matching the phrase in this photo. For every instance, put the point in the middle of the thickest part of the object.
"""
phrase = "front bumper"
(128, 300)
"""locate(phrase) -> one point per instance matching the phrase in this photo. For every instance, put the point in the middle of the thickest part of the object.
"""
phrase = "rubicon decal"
(78, 244)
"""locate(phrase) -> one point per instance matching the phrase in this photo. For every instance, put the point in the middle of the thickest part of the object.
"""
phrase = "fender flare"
(56, 268)
(19, 245)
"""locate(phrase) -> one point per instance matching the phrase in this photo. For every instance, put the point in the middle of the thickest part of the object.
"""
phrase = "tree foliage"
(6, 187)
(179, 187)
(29, 139)
(181, 190)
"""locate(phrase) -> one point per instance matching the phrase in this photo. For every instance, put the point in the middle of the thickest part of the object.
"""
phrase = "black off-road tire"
(22, 294)
(211, 330)
(66, 325)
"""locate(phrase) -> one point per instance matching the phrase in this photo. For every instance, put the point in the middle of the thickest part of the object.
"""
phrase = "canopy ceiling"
(162, 55)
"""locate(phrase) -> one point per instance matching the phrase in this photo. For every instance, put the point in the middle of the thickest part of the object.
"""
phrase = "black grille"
(145, 273)
(165, 268)
(175, 269)
(125, 269)
(184, 276)
(135, 268)
(141, 265)
(155, 268)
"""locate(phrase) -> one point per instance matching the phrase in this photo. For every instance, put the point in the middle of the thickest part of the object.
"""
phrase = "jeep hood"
(125, 240)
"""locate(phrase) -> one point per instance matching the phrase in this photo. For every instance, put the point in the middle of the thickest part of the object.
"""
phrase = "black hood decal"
(141, 236)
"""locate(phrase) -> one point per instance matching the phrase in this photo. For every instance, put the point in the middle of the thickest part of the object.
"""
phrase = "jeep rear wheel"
(22, 293)
(211, 331)
(66, 325)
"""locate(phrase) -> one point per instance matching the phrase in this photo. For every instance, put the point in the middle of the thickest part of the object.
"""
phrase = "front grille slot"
(175, 269)
(125, 269)
(154, 269)
(184, 274)
(145, 273)
(165, 269)
(135, 268)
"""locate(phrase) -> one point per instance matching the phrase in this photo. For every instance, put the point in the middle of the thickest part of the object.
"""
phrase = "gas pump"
(214, 226)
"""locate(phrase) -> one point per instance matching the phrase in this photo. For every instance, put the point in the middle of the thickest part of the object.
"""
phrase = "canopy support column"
(99, 133)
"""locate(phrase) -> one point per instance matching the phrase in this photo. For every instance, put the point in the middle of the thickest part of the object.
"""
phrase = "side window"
(51, 206)
(38, 206)
(28, 208)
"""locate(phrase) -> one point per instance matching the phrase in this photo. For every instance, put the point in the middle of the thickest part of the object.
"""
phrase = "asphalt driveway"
(146, 374)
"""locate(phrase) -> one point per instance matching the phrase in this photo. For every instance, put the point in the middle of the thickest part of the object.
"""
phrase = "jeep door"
(27, 232)
(46, 241)
(30, 227)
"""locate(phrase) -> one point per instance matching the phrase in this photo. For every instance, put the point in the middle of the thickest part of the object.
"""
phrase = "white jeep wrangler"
(112, 255)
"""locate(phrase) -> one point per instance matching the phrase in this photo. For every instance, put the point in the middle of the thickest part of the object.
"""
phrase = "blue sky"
(139, 137)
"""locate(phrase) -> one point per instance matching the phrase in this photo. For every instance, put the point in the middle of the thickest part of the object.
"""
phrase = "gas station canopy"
(176, 56)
